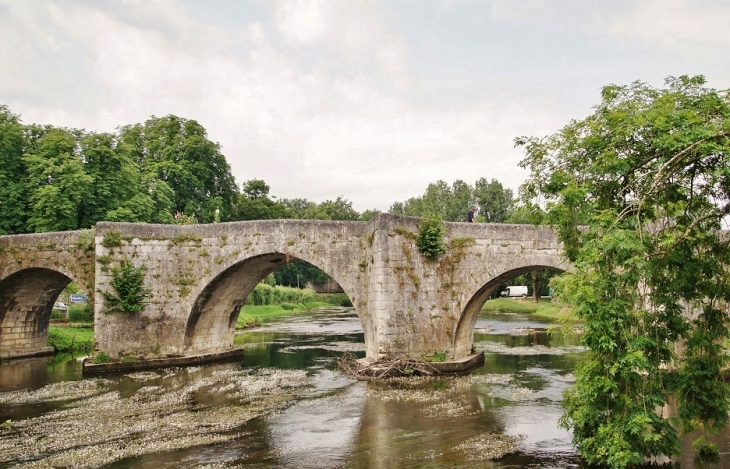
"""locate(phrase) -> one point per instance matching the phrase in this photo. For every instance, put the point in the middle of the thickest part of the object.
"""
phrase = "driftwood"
(385, 367)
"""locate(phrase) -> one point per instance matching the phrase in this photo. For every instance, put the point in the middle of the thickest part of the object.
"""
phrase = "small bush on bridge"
(128, 282)
(112, 239)
(430, 240)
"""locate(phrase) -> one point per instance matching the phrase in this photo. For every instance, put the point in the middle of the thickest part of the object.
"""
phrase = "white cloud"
(318, 98)
(682, 26)
(689, 27)
(303, 21)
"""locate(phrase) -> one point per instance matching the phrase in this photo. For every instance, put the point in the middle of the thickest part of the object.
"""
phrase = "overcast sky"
(369, 100)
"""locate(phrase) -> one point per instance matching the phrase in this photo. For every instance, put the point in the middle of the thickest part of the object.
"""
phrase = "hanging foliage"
(128, 283)
(430, 239)
(639, 192)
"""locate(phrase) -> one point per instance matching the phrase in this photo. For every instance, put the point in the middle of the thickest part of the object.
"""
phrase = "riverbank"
(75, 339)
(257, 315)
(545, 308)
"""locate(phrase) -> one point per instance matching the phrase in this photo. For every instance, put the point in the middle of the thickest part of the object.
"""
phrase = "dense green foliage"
(13, 191)
(298, 273)
(176, 153)
(430, 238)
(638, 191)
(264, 294)
(54, 179)
(128, 283)
(451, 203)
(254, 203)
(78, 313)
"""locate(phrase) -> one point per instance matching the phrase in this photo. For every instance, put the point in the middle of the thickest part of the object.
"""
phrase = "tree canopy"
(451, 203)
(639, 191)
(54, 178)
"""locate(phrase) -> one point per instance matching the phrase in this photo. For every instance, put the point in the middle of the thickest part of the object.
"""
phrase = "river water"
(286, 406)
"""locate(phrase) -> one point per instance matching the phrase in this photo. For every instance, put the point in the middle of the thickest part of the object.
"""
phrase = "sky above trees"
(368, 100)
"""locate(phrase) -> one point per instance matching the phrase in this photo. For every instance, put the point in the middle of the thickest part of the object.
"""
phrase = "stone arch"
(464, 334)
(212, 321)
(26, 302)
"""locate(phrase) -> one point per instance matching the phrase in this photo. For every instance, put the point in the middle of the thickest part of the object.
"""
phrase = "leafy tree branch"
(638, 192)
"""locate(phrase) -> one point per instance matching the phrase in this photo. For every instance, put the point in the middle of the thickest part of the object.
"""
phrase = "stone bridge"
(200, 275)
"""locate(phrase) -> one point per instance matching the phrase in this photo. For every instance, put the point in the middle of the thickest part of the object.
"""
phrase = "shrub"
(101, 357)
(112, 239)
(430, 237)
(127, 281)
(80, 313)
(71, 339)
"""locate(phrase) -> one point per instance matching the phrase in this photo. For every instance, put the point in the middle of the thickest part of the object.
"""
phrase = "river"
(286, 406)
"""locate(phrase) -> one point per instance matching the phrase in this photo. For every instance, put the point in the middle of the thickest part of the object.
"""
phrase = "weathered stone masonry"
(34, 269)
(200, 275)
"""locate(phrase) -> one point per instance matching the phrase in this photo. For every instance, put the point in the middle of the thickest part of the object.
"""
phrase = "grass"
(544, 308)
(74, 340)
(252, 315)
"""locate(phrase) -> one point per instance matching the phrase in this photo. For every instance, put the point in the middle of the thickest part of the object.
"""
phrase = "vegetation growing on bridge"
(646, 177)
(430, 239)
(128, 283)
(112, 239)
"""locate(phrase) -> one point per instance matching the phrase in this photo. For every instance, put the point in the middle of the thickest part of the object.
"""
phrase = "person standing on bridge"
(470, 216)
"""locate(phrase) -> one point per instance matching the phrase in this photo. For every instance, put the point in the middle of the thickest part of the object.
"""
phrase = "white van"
(519, 290)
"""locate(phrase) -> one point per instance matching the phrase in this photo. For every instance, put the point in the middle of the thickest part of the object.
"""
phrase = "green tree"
(496, 202)
(116, 192)
(298, 208)
(368, 214)
(56, 179)
(177, 151)
(339, 209)
(254, 203)
(297, 273)
(451, 203)
(638, 192)
(13, 189)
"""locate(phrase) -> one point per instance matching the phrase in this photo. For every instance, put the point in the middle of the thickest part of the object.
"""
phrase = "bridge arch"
(26, 303)
(212, 321)
(464, 334)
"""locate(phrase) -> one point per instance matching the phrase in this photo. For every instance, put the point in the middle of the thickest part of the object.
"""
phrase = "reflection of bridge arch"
(464, 334)
(212, 321)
